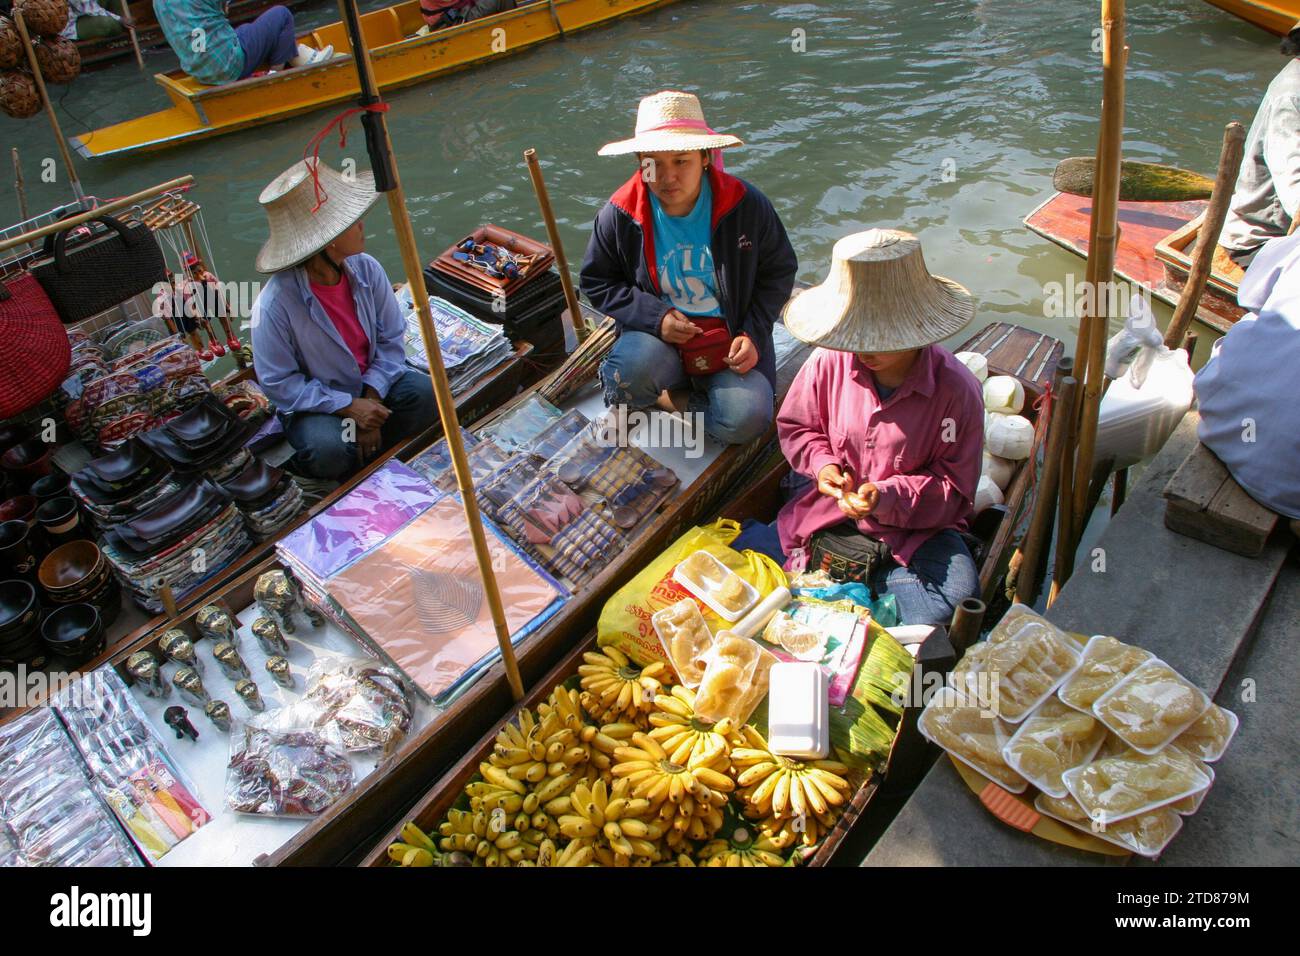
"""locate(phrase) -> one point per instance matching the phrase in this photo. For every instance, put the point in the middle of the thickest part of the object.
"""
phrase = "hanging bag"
(34, 350)
(116, 262)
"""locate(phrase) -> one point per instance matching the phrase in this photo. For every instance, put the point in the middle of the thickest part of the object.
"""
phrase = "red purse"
(707, 352)
(34, 350)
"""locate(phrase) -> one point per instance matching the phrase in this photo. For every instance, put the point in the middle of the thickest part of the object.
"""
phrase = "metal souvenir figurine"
(314, 617)
(178, 647)
(178, 719)
(218, 711)
(249, 694)
(228, 659)
(279, 598)
(143, 668)
(216, 624)
(278, 668)
(268, 635)
(190, 684)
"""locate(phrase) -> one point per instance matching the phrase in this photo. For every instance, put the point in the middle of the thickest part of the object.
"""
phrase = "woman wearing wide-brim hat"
(888, 426)
(327, 330)
(694, 266)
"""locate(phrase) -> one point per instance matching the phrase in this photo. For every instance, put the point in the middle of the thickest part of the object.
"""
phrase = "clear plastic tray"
(1016, 664)
(950, 717)
(1046, 730)
(1203, 740)
(709, 580)
(729, 666)
(1189, 805)
(1106, 661)
(1126, 834)
(1104, 794)
(1163, 693)
(685, 637)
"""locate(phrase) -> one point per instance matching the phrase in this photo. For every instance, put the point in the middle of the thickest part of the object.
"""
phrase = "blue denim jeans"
(318, 438)
(941, 575)
(737, 408)
(268, 41)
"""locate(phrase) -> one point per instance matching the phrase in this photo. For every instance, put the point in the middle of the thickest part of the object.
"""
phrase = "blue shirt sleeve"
(277, 365)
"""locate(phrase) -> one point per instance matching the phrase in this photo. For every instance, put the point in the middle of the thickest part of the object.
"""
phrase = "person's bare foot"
(674, 401)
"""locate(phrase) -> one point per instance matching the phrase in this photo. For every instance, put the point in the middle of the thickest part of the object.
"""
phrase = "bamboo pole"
(1039, 532)
(20, 187)
(553, 232)
(1189, 300)
(130, 29)
(966, 621)
(106, 209)
(380, 146)
(1065, 527)
(49, 107)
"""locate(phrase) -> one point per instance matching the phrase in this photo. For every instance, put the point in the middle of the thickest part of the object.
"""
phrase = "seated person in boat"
(694, 265)
(1249, 418)
(327, 329)
(1267, 196)
(87, 20)
(448, 13)
(887, 428)
(214, 52)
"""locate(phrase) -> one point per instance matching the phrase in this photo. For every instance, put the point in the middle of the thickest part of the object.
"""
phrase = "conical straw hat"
(670, 122)
(298, 233)
(879, 297)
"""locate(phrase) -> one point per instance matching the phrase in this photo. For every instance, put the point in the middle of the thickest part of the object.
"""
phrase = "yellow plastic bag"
(625, 619)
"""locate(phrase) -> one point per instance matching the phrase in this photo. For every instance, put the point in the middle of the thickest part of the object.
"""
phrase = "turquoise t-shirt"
(685, 257)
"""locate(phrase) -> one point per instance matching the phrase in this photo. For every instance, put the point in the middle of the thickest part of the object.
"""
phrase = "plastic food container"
(970, 733)
(1053, 739)
(725, 592)
(728, 675)
(1020, 669)
(1151, 706)
(1106, 662)
(1208, 737)
(798, 711)
(1115, 788)
(1189, 805)
(1147, 833)
(685, 637)
(795, 637)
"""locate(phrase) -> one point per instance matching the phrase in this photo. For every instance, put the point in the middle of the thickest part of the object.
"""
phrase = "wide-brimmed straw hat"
(670, 122)
(306, 214)
(879, 297)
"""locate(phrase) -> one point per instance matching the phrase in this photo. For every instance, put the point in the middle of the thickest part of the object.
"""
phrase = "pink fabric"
(337, 302)
(921, 448)
(700, 125)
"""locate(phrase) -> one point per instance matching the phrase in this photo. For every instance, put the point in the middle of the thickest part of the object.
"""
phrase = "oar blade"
(1138, 182)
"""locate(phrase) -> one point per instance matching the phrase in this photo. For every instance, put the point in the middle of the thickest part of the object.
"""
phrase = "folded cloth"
(583, 547)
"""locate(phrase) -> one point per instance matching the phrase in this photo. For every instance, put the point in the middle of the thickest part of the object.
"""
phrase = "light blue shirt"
(300, 358)
(1250, 413)
(684, 256)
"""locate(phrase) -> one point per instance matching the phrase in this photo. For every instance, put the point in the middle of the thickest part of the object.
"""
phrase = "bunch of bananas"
(614, 689)
(493, 837)
(741, 848)
(576, 853)
(534, 750)
(790, 799)
(687, 801)
(688, 740)
(614, 815)
(414, 849)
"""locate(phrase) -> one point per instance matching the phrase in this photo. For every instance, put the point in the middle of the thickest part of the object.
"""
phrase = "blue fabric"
(268, 41)
(202, 23)
(302, 362)
(757, 536)
(685, 258)
(940, 576)
(318, 438)
(736, 408)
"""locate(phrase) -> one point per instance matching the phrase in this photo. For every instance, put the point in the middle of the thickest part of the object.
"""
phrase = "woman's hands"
(837, 484)
(743, 356)
(677, 329)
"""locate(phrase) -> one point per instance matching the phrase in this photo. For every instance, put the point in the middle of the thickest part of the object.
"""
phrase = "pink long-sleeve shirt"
(921, 447)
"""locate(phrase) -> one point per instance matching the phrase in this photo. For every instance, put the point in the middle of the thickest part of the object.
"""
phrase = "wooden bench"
(1204, 502)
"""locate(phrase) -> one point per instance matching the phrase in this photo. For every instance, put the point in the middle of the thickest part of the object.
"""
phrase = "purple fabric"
(361, 520)
(268, 41)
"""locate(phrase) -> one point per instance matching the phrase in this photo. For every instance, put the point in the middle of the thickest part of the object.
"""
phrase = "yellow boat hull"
(1275, 16)
(400, 59)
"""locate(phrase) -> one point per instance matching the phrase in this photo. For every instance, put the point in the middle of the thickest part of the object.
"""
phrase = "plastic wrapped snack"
(1017, 672)
(1053, 739)
(728, 673)
(1208, 736)
(684, 637)
(1189, 805)
(1151, 706)
(1113, 788)
(284, 773)
(1146, 833)
(724, 591)
(968, 731)
(357, 704)
(1106, 662)
(804, 642)
(759, 685)
(1066, 809)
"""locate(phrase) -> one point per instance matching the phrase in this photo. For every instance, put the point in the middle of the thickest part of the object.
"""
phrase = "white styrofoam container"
(798, 711)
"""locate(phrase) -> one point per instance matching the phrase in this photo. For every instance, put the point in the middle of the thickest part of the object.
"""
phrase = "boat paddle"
(1138, 182)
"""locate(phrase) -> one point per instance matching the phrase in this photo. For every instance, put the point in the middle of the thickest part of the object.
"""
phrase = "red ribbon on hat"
(314, 144)
(687, 124)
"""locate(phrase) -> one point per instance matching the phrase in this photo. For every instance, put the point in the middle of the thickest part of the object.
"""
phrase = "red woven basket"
(34, 349)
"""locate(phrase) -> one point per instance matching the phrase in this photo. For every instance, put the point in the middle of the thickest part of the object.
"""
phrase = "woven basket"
(18, 96)
(11, 45)
(46, 17)
(59, 60)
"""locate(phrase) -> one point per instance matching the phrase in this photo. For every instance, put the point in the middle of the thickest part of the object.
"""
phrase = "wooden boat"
(1155, 242)
(101, 52)
(1011, 350)
(1275, 16)
(400, 59)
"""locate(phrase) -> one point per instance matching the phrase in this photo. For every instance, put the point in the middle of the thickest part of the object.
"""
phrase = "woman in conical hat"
(694, 265)
(887, 425)
(327, 329)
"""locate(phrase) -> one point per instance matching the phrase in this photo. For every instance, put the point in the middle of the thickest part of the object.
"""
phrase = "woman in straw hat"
(887, 425)
(694, 265)
(327, 330)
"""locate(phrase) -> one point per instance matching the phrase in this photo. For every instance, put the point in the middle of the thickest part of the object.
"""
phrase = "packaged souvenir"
(522, 424)
(684, 637)
(1151, 706)
(1113, 788)
(1106, 662)
(726, 593)
(1209, 735)
(1053, 739)
(279, 773)
(972, 734)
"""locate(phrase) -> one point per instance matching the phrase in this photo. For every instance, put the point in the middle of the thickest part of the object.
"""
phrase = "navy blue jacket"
(753, 261)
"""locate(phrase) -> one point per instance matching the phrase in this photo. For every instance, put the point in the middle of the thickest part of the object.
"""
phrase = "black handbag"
(92, 274)
(846, 554)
